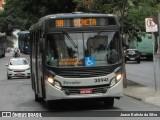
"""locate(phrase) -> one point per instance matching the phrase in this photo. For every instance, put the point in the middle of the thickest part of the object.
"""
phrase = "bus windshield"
(83, 49)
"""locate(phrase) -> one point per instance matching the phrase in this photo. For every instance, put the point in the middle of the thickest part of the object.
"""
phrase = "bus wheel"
(53, 104)
(109, 102)
(49, 104)
(37, 98)
(125, 82)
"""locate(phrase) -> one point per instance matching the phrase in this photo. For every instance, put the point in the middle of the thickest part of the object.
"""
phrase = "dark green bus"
(3, 44)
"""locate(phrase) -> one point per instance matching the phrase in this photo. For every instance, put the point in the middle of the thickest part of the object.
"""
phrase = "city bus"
(77, 56)
(23, 42)
(3, 44)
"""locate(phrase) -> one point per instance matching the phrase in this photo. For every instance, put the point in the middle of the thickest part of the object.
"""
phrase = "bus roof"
(70, 16)
(76, 15)
(23, 33)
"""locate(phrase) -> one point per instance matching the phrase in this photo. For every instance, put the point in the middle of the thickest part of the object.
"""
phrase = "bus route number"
(76, 22)
(59, 23)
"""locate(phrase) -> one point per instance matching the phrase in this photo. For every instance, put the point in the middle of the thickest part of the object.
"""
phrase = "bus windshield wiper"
(70, 39)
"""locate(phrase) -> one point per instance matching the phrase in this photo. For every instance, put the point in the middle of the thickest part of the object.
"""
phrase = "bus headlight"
(118, 76)
(50, 80)
(115, 79)
(53, 82)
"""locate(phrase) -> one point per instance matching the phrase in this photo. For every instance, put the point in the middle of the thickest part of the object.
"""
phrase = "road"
(17, 95)
(143, 73)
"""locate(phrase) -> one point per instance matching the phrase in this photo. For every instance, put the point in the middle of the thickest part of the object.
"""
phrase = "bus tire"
(37, 98)
(43, 89)
(125, 81)
(109, 102)
(49, 104)
(53, 104)
(33, 81)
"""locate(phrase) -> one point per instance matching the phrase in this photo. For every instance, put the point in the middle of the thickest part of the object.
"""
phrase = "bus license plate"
(86, 91)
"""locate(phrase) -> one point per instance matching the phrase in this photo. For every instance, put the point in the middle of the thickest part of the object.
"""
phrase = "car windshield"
(132, 52)
(18, 62)
(83, 49)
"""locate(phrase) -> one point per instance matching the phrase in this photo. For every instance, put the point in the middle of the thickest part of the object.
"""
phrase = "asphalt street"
(144, 81)
(17, 95)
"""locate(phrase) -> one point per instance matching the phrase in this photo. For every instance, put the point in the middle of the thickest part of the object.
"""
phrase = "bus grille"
(76, 90)
(83, 73)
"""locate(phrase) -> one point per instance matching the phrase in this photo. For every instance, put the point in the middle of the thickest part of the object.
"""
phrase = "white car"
(18, 68)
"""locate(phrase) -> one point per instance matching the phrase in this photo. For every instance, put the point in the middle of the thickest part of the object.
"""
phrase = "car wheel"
(8, 77)
(138, 61)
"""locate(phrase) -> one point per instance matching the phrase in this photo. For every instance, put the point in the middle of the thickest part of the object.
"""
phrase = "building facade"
(2, 4)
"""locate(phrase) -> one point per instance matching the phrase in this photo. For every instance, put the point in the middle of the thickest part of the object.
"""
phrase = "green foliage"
(132, 13)
(23, 13)
(10, 43)
(135, 17)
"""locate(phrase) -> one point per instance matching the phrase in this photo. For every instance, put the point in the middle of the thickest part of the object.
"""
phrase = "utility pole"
(158, 19)
(151, 26)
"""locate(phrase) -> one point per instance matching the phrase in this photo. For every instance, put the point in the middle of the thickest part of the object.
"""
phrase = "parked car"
(132, 55)
(18, 68)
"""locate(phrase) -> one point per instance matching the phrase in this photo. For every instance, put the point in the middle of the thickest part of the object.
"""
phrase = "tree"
(22, 14)
(132, 13)
(135, 16)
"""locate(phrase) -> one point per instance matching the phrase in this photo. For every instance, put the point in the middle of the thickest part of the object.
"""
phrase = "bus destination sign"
(78, 22)
(81, 22)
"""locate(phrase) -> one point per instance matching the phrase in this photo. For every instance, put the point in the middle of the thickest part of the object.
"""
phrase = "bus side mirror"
(42, 45)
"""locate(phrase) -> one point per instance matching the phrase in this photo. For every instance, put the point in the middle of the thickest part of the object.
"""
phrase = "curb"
(142, 93)
(133, 97)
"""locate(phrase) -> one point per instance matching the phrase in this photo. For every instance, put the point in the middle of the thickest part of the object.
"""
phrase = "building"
(2, 4)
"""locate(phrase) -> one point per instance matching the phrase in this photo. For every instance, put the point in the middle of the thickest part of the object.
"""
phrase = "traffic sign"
(151, 25)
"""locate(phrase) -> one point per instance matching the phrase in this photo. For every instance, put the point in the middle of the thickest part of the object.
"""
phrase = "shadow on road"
(75, 105)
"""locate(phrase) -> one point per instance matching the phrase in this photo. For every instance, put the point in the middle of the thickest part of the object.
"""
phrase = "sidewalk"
(142, 93)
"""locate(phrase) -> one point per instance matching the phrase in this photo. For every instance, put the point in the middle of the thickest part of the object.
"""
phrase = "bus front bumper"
(53, 93)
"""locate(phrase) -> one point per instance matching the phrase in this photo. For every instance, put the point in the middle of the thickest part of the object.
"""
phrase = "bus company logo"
(73, 83)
